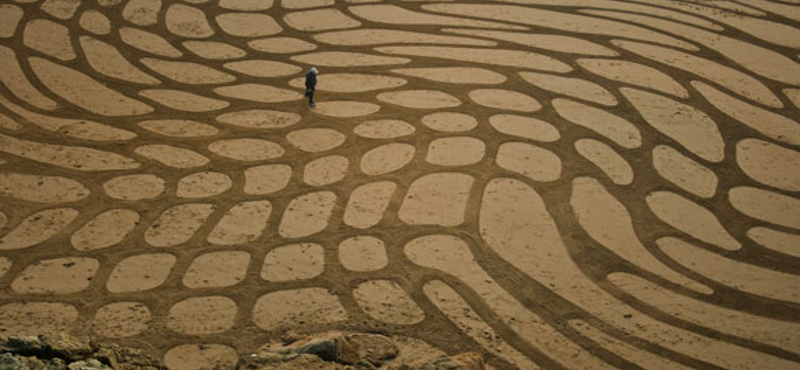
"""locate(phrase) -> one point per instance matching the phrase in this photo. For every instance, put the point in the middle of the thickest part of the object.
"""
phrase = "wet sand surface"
(555, 184)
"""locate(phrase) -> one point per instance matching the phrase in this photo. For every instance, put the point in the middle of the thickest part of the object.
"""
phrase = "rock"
(294, 361)
(16, 362)
(343, 348)
(90, 364)
(464, 361)
(126, 358)
(63, 346)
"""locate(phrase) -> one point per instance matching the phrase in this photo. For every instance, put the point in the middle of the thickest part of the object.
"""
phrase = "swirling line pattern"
(580, 184)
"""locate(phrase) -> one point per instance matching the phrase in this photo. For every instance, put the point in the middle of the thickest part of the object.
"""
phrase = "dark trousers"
(310, 95)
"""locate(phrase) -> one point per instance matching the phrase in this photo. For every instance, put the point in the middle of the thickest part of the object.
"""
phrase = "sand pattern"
(556, 184)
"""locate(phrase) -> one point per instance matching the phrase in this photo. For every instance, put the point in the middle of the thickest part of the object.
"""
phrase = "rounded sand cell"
(374, 36)
(303, 4)
(316, 140)
(455, 75)
(246, 5)
(420, 99)
(437, 199)
(95, 22)
(449, 122)
(203, 184)
(107, 229)
(172, 156)
(455, 151)
(183, 101)
(217, 270)
(10, 15)
(782, 242)
(396, 15)
(179, 128)
(525, 127)
(266, 179)
(41, 189)
(134, 187)
(258, 93)
(363, 253)
(260, 119)
(607, 159)
(281, 45)
(574, 87)
(294, 262)
(178, 224)
(143, 12)
(326, 170)
(346, 109)
(307, 214)
(70, 157)
(202, 315)
(504, 99)
(384, 129)
(292, 308)
(351, 82)
(121, 319)
(56, 276)
(614, 128)
(49, 38)
(201, 356)
(386, 301)
(557, 43)
(38, 228)
(367, 204)
(684, 172)
(635, 74)
(187, 72)
(214, 50)
(263, 68)
(531, 161)
(495, 57)
(769, 164)
(140, 273)
(766, 206)
(34, 318)
(347, 59)
(319, 20)
(248, 24)
(243, 223)
(247, 150)
(387, 158)
(186, 21)
(107, 60)
(148, 42)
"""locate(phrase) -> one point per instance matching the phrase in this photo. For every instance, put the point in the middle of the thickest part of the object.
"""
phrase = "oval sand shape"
(385, 300)
(351, 82)
(172, 156)
(420, 99)
(266, 179)
(316, 140)
(183, 101)
(307, 214)
(367, 204)
(449, 122)
(246, 149)
(148, 42)
(776, 240)
(437, 199)
(179, 128)
(497, 57)
(13, 77)
(294, 262)
(56, 276)
(635, 74)
(85, 92)
(246, 5)
(214, 50)
(504, 99)
(286, 308)
(455, 75)
(134, 187)
(248, 24)
(201, 356)
(384, 129)
(364, 37)
(690, 218)
(142, 12)
(34, 318)
(346, 109)
(178, 224)
(319, 20)
(684, 172)
(455, 151)
(187, 21)
(614, 128)
(243, 223)
(363, 253)
(387, 158)
(303, 4)
(347, 59)
(263, 68)
(49, 38)
(203, 184)
(202, 315)
(108, 61)
(187, 72)
(574, 87)
(325, 170)
(392, 14)
(141, 272)
(525, 127)
(769, 164)
(105, 230)
(38, 228)
(217, 270)
(531, 161)
(607, 159)
(557, 43)
(41, 189)
(260, 119)
(121, 319)
(258, 93)
(687, 125)
(10, 15)
(281, 45)
(70, 157)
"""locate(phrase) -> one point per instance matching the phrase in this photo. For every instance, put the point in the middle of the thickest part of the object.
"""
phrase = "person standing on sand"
(311, 85)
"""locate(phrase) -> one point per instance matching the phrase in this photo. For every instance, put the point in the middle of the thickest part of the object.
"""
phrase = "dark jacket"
(311, 81)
